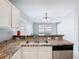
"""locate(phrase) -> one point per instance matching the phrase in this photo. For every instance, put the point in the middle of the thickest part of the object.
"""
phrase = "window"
(45, 28)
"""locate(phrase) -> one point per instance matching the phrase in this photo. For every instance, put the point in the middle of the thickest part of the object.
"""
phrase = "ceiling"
(35, 9)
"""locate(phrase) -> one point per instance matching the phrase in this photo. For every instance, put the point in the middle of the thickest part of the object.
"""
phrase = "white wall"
(76, 35)
(69, 27)
(66, 27)
(29, 27)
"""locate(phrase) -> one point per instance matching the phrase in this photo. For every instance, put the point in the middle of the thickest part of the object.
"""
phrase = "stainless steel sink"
(37, 42)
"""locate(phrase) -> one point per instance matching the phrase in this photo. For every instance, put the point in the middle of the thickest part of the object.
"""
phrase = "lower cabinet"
(29, 55)
(43, 52)
(17, 55)
(44, 55)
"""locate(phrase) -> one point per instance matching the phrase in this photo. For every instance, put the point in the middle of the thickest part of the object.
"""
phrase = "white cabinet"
(39, 52)
(44, 55)
(29, 49)
(9, 14)
(17, 55)
(5, 13)
(13, 57)
(29, 55)
(29, 52)
(15, 17)
(45, 52)
(45, 49)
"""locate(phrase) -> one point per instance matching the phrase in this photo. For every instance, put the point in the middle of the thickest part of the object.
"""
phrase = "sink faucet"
(46, 41)
(36, 41)
(27, 41)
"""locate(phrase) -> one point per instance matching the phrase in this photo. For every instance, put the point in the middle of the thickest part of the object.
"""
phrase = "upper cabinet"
(15, 17)
(5, 13)
(9, 14)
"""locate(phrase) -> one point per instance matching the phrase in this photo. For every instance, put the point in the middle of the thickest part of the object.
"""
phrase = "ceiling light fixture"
(46, 18)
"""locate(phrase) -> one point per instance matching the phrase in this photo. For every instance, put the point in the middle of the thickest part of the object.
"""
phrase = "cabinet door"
(44, 48)
(15, 17)
(29, 49)
(29, 55)
(45, 52)
(44, 55)
(29, 52)
(17, 55)
(63, 54)
(13, 57)
(5, 13)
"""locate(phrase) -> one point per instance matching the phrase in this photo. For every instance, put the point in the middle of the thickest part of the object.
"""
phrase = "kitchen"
(33, 30)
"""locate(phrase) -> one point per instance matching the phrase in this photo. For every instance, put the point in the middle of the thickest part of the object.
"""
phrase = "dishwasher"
(63, 52)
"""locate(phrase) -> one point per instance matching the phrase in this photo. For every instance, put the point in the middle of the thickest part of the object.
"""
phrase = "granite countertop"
(60, 42)
(50, 43)
(8, 48)
(11, 46)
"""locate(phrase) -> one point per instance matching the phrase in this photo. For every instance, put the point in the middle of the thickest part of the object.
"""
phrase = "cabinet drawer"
(29, 49)
(63, 47)
(45, 49)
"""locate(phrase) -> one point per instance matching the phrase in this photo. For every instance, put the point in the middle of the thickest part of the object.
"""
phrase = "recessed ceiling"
(35, 9)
